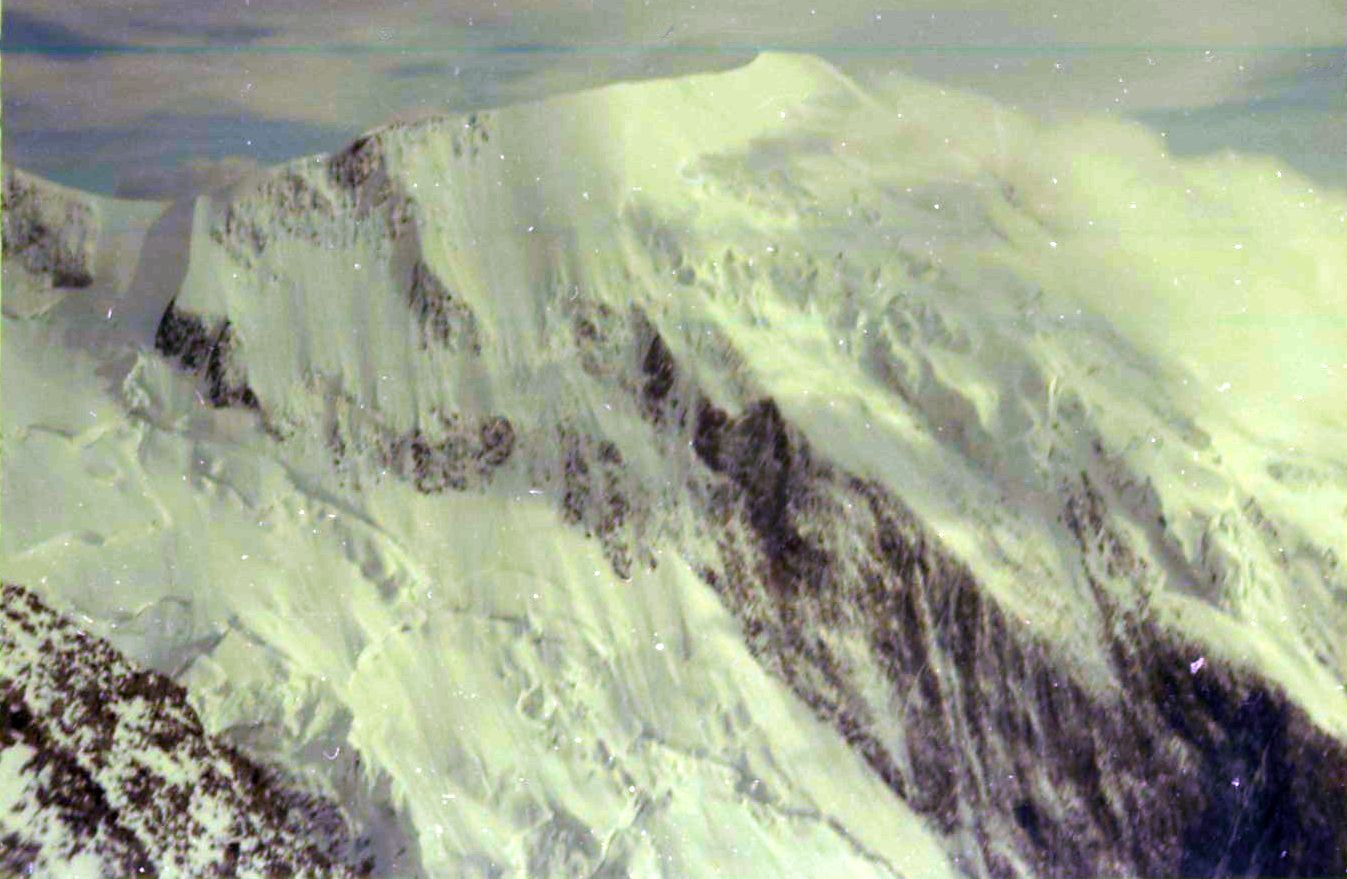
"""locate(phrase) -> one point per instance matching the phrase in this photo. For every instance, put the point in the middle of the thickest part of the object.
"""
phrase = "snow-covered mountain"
(739, 474)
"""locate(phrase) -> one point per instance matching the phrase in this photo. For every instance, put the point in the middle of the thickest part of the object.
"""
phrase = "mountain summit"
(738, 474)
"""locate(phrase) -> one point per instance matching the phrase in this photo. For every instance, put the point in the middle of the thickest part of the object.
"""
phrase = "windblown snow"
(519, 479)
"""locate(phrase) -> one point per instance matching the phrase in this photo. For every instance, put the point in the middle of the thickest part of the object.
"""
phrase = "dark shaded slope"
(1182, 772)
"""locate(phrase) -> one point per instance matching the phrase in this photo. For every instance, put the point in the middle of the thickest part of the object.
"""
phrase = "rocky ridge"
(110, 768)
(50, 236)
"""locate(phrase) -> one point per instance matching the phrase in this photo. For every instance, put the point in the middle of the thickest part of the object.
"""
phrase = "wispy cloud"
(27, 32)
(152, 156)
(79, 77)
(188, 178)
(211, 34)
(1299, 116)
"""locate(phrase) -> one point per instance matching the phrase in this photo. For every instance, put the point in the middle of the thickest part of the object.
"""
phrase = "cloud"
(1220, 264)
(76, 68)
(434, 68)
(214, 34)
(30, 32)
(1301, 116)
(190, 178)
(133, 154)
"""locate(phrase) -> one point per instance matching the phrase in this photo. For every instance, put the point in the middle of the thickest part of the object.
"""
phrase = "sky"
(156, 98)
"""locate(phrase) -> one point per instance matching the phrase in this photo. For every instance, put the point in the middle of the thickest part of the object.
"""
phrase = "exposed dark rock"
(497, 436)
(18, 857)
(433, 467)
(118, 768)
(354, 166)
(332, 205)
(471, 136)
(595, 494)
(458, 456)
(295, 207)
(658, 368)
(445, 319)
(361, 176)
(184, 338)
(772, 470)
(49, 232)
(209, 351)
(598, 332)
(706, 436)
(1002, 744)
(224, 385)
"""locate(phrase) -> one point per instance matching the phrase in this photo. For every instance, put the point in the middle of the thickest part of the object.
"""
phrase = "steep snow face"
(461, 269)
(737, 473)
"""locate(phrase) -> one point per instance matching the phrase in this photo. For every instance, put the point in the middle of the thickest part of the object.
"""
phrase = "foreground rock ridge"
(1065, 618)
(116, 774)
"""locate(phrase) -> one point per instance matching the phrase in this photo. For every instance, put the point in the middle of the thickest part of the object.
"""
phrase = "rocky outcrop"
(1184, 769)
(297, 205)
(450, 451)
(445, 319)
(988, 730)
(337, 200)
(1207, 772)
(595, 495)
(463, 454)
(49, 231)
(1176, 767)
(108, 763)
(207, 351)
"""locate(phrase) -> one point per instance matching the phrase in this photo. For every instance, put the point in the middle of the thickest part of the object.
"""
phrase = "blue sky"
(142, 95)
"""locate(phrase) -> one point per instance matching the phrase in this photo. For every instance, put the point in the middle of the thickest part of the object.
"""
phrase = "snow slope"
(737, 474)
